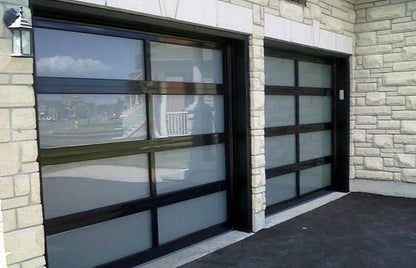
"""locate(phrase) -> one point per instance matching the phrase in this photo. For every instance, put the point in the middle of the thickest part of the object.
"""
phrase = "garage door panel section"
(132, 134)
(299, 126)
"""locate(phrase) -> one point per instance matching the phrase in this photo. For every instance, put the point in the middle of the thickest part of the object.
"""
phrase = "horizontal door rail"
(286, 130)
(282, 170)
(100, 151)
(297, 91)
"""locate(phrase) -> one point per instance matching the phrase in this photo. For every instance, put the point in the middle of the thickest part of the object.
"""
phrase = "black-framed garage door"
(135, 142)
(300, 127)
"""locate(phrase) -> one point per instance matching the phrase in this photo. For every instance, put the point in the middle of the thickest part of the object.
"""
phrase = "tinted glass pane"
(281, 188)
(176, 115)
(82, 55)
(185, 64)
(80, 186)
(315, 178)
(69, 119)
(190, 216)
(279, 72)
(315, 75)
(280, 151)
(279, 110)
(100, 243)
(315, 144)
(314, 109)
(179, 169)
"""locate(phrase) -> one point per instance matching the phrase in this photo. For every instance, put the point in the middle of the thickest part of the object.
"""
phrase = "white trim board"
(291, 213)
(308, 35)
(391, 188)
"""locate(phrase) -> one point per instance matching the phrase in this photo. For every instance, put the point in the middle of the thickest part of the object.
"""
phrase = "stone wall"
(383, 99)
(22, 236)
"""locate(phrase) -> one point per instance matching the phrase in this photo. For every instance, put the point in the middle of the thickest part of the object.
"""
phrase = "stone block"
(29, 151)
(21, 184)
(29, 216)
(15, 202)
(404, 66)
(388, 124)
(291, 11)
(9, 159)
(395, 57)
(409, 175)
(405, 160)
(22, 79)
(410, 149)
(15, 96)
(37, 262)
(373, 61)
(367, 151)
(365, 87)
(410, 40)
(23, 118)
(371, 50)
(375, 110)
(404, 115)
(386, 12)
(372, 26)
(22, 135)
(403, 27)
(358, 135)
(408, 127)
(15, 65)
(9, 220)
(409, 53)
(362, 73)
(373, 175)
(366, 120)
(383, 141)
(374, 163)
(411, 103)
(390, 38)
(6, 187)
(259, 201)
(35, 188)
(24, 244)
(395, 100)
(404, 139)
(399, 79)
(375, 98)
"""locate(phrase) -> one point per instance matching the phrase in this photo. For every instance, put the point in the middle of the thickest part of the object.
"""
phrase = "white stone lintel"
(303, 34)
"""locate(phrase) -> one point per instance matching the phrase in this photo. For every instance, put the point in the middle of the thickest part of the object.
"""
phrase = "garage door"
(133, 138)
(299, 127)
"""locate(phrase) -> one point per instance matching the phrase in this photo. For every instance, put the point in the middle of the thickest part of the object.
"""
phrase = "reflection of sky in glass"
(71, 54)
(96, 99)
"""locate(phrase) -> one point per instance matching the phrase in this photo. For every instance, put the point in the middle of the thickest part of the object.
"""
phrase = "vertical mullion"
(297, 123)
(150, 136)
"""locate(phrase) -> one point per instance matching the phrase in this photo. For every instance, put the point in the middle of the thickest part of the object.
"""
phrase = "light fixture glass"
(21, 33)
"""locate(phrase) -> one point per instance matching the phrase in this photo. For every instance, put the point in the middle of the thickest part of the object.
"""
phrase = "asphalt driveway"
(357, 230)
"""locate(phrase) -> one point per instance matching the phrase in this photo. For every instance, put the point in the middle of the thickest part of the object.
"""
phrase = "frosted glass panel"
(100, 243)
(280, 151)
(315, 144)
(314, 109)
(281, 188)
(80, 119)
(315, 75)
(279, 110)
(177, 115)
(279, 72)
(80, 186)
(315, 178)
(185, 64)
(184, 168)
(190, 216)
(82, 55)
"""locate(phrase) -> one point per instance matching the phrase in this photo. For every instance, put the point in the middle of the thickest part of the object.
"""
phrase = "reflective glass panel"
(80, 186)
(315, 75)
(180, 115)
(315, 144)
(83, 55)
(79, 119)
(281, 188)
(100, 243)
(314, 109)
(184, 168)
(279, 72)
(185, 63)
(279, 110)
(315, 178)
(191, 215)
(280, 151)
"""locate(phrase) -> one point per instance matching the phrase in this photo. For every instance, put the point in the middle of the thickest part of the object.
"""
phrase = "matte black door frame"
(235, 136)
(339, 126)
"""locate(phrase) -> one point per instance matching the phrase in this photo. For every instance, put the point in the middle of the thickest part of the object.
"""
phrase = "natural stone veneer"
(383, 99)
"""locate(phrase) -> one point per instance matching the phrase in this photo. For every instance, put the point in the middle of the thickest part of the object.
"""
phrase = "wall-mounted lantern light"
(21, 33)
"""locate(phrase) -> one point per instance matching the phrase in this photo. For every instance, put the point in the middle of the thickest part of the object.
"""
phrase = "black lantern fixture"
(21, 33)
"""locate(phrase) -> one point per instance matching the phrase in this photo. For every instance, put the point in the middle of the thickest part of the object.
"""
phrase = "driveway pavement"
(358, 230)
